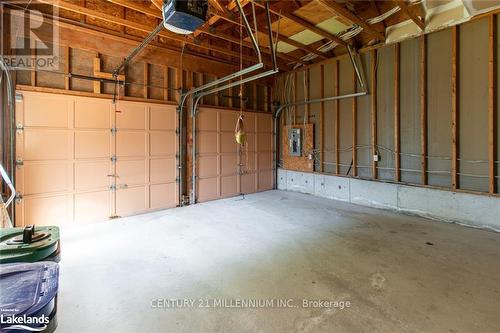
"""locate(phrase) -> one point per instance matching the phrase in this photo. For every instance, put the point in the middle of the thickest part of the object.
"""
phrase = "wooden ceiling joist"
(209, 31)
(309, 26)
(345, 13)
(134, 25)
(410, 14)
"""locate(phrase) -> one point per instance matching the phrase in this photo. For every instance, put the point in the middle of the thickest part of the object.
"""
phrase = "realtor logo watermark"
(30, 36)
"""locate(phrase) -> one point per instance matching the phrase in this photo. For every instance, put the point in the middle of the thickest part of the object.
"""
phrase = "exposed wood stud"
(307, 93)
(337, 117)
(322, 120)
(397, 139)
(33, 71)
(146, 80)
(166, 85)
(97, 69)
(491, 106)
(254, 96)
(67, 67)
(373, 117)
(354, 127)
(454, 110)
(295, 96)
(423, 108)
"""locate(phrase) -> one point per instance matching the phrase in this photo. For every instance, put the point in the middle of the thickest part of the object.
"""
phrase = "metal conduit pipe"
(276, 116)
(196, 98)
(12, 124)
(199, 93)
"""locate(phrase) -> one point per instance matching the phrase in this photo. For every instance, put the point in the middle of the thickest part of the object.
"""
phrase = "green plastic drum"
(29, 244)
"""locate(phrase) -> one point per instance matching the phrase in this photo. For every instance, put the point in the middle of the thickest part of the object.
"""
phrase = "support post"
(423, 108)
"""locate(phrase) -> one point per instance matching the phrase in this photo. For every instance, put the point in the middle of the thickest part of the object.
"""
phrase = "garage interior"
(255, 166)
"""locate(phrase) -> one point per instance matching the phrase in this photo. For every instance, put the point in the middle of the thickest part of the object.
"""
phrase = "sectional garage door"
(224, 169)
(86, 159)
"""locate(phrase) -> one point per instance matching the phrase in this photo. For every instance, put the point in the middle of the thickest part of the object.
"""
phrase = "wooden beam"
(354, 127)
(342, 11)
(146, 80)
(295, 95)
(397, 139)
(300, 21)
(322, 120)
(337, 116)
(373, 71)
(166, 85)
(491, 106)
(97, 69)
(454, 110)
(410, 14)
(138, 26)
(67, 67)
(136, 5)
(423, 108)
(33, 71)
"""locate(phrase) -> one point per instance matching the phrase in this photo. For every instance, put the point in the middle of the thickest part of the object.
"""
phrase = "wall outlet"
(376, 158)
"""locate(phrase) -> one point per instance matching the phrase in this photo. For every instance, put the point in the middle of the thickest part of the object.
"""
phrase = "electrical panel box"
(295, 142)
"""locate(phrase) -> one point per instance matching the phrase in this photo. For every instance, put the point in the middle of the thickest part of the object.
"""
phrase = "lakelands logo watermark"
(24, 323)
(30, 37)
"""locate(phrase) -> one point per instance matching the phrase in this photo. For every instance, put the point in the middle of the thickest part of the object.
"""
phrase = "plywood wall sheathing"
(302, 163)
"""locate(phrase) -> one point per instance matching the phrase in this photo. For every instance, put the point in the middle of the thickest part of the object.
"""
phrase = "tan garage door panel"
(43, 144)
(131, 115)
(92, 175)
(265, 180)
(85, 160)
(92, 144)
(229, 186)
(130, 200)
(162, 143)
(48, 112)
(47, 177)
(94, 114)
(130, 144)
(208, 189)
(131, 172)
(207, 142)
(248, 183)
(52, 210)
(208, 166)
(221, 160)
(162, 170)
(163, 196)
(92, 206)
(163, 119)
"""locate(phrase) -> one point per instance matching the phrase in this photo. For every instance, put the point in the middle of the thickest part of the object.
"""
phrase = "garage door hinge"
(19, 197)
(177, 131)
(177, 180)
(113, 158)
(19, 162)
(19, 127)
(113, 130)
(19, 97)
(112, 188)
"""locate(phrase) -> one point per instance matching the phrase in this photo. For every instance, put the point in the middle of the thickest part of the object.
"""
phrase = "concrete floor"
(400, 273)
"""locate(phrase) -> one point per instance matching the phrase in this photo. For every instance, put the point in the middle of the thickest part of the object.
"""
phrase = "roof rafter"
(138, 26)
(411, 14)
